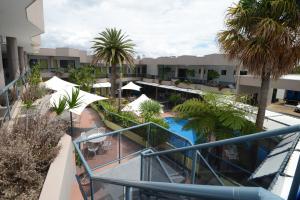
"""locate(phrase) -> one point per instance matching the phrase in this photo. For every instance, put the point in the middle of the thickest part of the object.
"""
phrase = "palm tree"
(264, 36)
(68, 102)
(60, 107)
(211, 119)
(114, 48)
(83, 76)
(73, 101)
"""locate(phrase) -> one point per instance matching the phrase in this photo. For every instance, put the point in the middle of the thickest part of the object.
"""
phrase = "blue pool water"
(176, 126)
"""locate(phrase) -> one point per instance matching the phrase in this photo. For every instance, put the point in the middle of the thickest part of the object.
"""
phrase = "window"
(204, 71)
(199, 71)
(223, 72)
(243, 72)
(234, 72)
(67, 63)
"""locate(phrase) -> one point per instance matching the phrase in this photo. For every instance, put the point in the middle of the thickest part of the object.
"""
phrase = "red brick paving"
(88, 120)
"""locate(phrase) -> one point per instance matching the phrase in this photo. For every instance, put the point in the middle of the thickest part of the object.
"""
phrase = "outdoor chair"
(102, 130)
(92, 148)
(106, 145)
(83, 136)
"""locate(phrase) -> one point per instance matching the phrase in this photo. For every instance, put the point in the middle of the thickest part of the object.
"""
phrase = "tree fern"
(211, 118)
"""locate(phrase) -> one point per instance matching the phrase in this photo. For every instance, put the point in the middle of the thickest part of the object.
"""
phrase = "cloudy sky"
(157, 27)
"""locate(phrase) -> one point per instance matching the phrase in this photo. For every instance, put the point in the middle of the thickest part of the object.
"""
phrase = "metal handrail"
(246, 138)
(6, 87)
(208, 192)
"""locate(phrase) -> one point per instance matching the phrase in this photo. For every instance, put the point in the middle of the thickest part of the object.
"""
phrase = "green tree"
(211, 119)
(83, 76)
(174, 99)
(160, 121)
(114, 48)
(212, 74)
(69, 102)
(35, 76)
(296, 70)
(149, 109)
(264, 36)
(190, 73)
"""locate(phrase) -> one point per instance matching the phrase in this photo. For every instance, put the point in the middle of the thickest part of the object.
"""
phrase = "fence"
(10, 93)
(254, 161)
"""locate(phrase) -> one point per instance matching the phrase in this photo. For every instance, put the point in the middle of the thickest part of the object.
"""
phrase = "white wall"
(282, 83)
(280, 94)
(61, 174)
(216, 62)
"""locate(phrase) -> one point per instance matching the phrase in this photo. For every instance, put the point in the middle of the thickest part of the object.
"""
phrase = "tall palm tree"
(264, 36)
(114, 48)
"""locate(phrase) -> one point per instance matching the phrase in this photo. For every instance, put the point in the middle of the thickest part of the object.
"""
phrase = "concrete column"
(51, 63)
(237, 79)
(12, 58)
(202, 73)
(176, 72)
(2, 77)
(270, 94)
(21, 60)
(26, 61)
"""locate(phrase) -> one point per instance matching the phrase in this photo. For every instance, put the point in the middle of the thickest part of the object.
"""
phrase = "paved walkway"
(284, 109)
(89, 119)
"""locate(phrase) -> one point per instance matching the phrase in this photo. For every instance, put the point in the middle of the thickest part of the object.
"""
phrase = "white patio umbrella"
(131, 86)
(57, 84)
(85, 99)
(135, 105)
(102, 85)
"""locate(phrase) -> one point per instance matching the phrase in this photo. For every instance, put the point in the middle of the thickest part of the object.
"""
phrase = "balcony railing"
(147, 161)
(9, 94)
(97, 73)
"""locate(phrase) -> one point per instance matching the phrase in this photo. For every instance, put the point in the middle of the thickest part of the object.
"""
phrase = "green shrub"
(35, 76)
(124, 119)
(190, 73)
(159, 121)
(83, 76)
(212, 74)
(60, 107)
(187, 82)
(177, 82)
(149, 109)
(174, 98)
(31, 94)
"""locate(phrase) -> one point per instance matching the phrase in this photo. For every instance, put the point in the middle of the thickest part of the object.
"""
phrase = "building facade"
(193, 68)
(60, 58)
(285, 88)
(21, 23)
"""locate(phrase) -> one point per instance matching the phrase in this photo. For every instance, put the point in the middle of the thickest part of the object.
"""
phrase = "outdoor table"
(97, 140)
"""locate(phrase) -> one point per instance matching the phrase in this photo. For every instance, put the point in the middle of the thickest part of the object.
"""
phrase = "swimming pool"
(176, 126)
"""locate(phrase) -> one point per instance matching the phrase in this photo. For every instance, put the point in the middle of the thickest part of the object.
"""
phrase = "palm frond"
(263, 35)
(60, 107)
(73, 100)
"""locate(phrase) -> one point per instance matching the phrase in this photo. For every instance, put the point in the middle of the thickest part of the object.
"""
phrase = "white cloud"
(158, 27)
